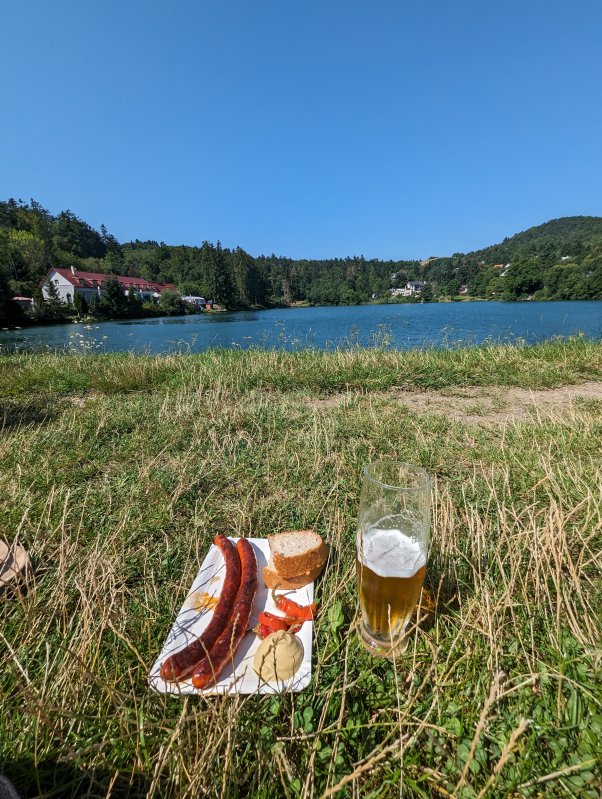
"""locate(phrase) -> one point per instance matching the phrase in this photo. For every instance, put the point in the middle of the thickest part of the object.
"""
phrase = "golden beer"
(393, 535)
(387, 603)
(390, 569)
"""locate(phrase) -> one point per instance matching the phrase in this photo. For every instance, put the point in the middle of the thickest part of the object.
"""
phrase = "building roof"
(90, 280)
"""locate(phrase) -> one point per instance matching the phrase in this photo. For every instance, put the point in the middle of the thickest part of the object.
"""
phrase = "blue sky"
(306, 128)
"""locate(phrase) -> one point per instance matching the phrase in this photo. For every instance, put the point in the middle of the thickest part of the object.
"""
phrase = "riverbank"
(117, 471)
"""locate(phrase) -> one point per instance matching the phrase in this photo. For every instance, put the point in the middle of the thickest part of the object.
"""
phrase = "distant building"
(69, 282)
(412, 289)
(463, 289)
(24, 302)
(565, 258)
(198, 302)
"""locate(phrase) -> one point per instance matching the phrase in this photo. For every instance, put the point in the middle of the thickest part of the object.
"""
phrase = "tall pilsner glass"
(392, 549)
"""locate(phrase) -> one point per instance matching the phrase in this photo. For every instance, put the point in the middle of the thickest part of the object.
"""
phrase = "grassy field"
(117, 471)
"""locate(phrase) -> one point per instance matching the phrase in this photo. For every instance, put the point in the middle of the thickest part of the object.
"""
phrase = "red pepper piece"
(293, 609)
(262, 630)
(275, 622)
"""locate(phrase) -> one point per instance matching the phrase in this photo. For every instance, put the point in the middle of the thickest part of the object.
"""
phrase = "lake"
(458, 324)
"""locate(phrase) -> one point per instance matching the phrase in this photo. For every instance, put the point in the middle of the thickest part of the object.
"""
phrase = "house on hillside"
(69, 282)
(412, 289)
(191, 299)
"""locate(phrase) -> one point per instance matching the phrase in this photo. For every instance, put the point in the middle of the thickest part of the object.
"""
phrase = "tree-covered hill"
(569, 236)
(561, 259)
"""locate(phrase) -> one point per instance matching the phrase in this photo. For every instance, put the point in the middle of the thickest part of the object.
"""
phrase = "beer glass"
(392, 549)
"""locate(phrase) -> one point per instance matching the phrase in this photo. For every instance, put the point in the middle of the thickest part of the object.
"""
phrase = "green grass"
(117, 471)
(550, 364)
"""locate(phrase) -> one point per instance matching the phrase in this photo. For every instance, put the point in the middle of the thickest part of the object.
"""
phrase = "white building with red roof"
(70, 281)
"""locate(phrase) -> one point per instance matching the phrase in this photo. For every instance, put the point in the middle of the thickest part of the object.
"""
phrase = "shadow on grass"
(440, 594)
(52, 778)
(38, 411)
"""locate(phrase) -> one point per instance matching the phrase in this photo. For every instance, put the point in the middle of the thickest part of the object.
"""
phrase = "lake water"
(397, 326)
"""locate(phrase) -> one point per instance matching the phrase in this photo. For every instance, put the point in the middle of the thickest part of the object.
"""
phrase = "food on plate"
(278, 656)
(269, 623)
(181, 664)
(202, 601)
(222, 652)
(275, 622)
(272, 579)
(296, 559)
(292, 609)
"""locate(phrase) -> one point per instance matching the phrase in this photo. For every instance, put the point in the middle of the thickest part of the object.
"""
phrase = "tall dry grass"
(118, 496)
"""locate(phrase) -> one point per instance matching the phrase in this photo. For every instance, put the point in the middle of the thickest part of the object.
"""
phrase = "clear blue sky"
(309, 128)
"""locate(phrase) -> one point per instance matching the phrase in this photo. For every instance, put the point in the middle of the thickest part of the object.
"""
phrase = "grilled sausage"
(182, 663)
(222, 652)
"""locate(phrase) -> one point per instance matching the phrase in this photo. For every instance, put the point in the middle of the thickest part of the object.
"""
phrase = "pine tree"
(113, 302)
(240, 268)
(54, 307)
(80, 304)
(215, 277)
(95, 308)
(8, 309)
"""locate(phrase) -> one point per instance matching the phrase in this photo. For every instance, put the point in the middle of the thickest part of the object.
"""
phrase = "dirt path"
(489, 404)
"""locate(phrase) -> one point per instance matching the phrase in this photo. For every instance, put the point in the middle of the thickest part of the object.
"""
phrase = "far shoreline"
(292, 306)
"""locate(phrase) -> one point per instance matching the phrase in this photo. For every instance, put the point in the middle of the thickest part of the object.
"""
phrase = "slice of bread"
(299, 552)
(272, 579)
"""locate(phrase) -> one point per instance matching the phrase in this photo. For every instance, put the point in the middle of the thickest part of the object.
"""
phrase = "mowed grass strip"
(117, 471)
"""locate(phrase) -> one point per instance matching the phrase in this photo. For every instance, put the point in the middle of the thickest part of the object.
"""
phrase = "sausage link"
(182, 663)
(222, 652)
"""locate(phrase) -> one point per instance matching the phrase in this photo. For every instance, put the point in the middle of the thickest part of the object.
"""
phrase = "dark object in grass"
(7, 789)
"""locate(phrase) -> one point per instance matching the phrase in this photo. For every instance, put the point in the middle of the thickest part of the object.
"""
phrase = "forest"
(559, 260)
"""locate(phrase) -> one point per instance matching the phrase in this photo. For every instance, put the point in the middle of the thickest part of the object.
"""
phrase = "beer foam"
(391, 553)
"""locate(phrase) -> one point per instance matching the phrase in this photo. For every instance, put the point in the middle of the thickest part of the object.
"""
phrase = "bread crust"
(292, 566)
(272, 579)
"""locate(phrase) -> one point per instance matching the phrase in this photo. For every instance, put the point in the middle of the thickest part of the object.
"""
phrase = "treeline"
(559, 260)
(32, 240)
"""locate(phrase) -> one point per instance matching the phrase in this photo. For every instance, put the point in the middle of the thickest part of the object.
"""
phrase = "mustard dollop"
(278, 656)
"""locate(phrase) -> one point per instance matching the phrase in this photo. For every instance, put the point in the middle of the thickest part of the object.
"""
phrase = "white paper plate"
(191, 622)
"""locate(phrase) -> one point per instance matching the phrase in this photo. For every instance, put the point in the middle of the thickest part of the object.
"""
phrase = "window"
(68, 298)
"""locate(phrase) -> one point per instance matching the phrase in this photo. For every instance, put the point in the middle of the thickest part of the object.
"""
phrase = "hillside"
(561, 259)
(567, 236)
